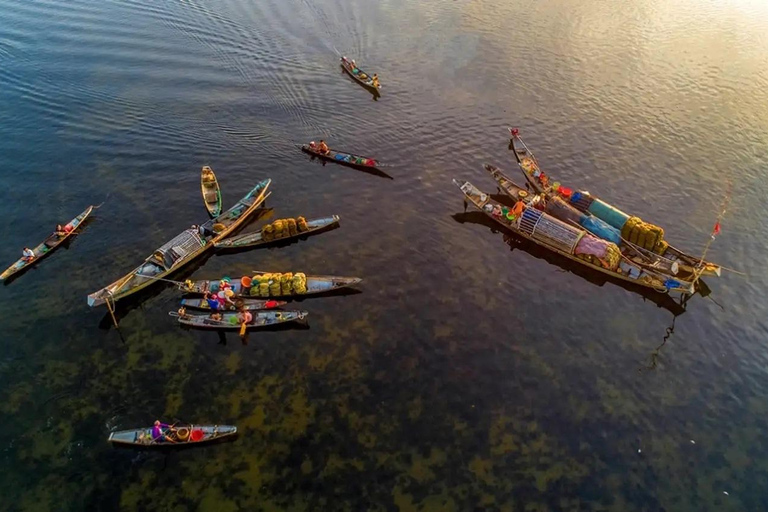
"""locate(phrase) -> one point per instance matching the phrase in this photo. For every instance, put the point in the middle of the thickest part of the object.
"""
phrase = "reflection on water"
(468, 373)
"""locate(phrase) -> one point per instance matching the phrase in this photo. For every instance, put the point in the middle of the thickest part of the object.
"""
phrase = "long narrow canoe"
(315, 285)
(533, 174)
(256, 238)
(360, 76)
(180, 435)
(342, 158)
(552, 234)
(181, 250)
(46, 247)
(668, 263)
(230, 321)
(211, 191)
(247, 304)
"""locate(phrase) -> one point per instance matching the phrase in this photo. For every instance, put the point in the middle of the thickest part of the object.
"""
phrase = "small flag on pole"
(716, 230)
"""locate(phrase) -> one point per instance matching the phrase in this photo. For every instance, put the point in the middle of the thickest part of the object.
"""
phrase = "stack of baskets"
(278, 285)
(282, 228)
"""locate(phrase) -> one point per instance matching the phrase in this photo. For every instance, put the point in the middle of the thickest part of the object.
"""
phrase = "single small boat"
(182, 249)
(47, 247)
(632, 229)
(211, 191)
(247, 304)
(339, 157)
(266, 236)
(231, 321)
(314, 285)
(570, 241)
(360, 76)
(178, 435)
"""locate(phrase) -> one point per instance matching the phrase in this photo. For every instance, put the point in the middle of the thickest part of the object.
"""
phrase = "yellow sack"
(301, 224)
(300, 283)
(263, 289)
(628, 226)
(274, 288)
(286, 284)
(661, 247)
(641, 233)
(292, 227)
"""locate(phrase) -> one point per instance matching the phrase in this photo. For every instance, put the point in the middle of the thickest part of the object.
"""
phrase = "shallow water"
(470, 373)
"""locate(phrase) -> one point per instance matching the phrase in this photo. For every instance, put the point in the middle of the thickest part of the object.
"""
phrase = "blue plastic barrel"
(608, 213)
(601, 229)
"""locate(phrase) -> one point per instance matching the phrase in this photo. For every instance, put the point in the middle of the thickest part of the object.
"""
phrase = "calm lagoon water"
(472, 372)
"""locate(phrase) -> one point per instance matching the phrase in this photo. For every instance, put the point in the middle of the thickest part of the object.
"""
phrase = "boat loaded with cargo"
(574, 242)
(619, 225)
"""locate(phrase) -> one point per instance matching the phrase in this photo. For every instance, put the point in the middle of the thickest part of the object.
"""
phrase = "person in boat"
(244, 316)
(63, 230)
(216, 316)
(518, 209)
(224, 298)
(212, 303)
(322, 148)
(27, 254)
(313, 145)
(158, 434)
(375, 80)
(182, 312)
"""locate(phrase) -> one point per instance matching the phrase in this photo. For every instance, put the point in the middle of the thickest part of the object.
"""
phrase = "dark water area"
(473, 371)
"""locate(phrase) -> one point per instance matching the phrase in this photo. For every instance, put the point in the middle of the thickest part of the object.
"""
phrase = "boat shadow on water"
(278, 243)
(132, 302)
(135, 301)
(594, 277)
(168, 448)
(367, 170)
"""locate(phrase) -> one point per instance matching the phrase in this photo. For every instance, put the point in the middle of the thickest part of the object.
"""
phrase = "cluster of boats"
(587, 230)
(253, 301)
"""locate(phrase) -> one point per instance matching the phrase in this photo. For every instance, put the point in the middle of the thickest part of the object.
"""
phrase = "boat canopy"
(181, 246)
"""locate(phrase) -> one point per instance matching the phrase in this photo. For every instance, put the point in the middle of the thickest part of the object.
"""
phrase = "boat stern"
(96, 299)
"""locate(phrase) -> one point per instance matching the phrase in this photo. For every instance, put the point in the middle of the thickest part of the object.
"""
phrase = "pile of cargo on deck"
(275, 285)
(560, 209)
(282, 228)
(601, 253)
(647, 236)
(633, 229)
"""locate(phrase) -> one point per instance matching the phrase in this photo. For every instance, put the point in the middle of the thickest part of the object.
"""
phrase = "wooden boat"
(230, 321)
(339, 157)
(256, 238)
(211, 191)
(533, 174)
(46, 247)
(180, 435)
(182, 249)
(668, 263)
(360, 76)
(247, 304)
(315, 285)
(564, 239)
